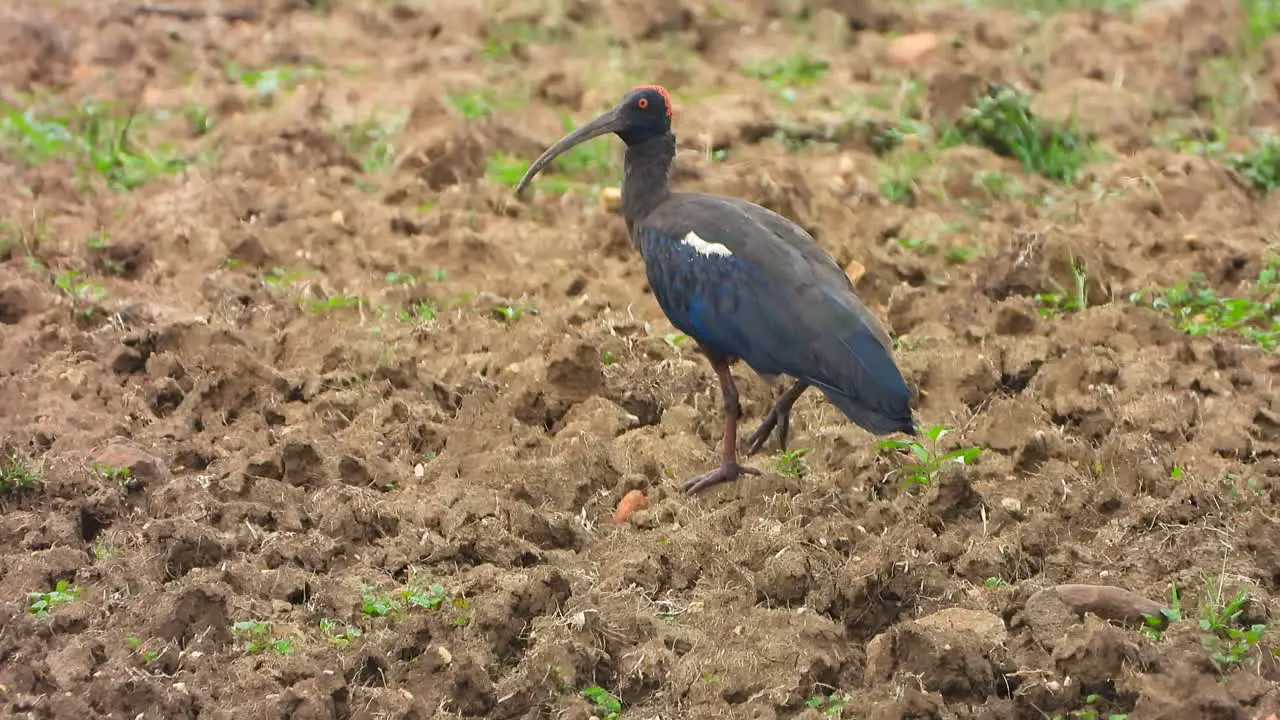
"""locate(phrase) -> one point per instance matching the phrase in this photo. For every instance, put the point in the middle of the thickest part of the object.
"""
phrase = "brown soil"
(283, 458)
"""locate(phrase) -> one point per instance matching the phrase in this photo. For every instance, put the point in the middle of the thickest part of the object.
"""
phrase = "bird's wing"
(748, 283)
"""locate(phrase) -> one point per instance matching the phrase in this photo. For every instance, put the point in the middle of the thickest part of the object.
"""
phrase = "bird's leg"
(729, 468)
(779, 416)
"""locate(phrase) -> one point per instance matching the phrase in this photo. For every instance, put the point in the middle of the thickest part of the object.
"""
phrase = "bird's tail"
(864, 382)
(875, 422)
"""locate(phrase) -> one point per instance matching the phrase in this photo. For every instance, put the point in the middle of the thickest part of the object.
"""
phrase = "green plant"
(418, 313)
(85, 294)
(332, 303)
(257, 637)
(1227, 640)
(1197, 309)
(339, 633)
(1153, 626)
(1090, 711)
(786, 73)
(830, 705)
(1059, 301)
(147, 654)
(94, 136)
(39, 603)
(371, 141)
(899, 172)
(930, 461)
(511, 313)
(1261, 164)
(790, 462)
(122, 476)
(16, 477)
(605, 704)
(1002, 122)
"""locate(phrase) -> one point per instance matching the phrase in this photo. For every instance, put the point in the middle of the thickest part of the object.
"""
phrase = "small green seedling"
(994, 581)
(511, 313)
(87, 295)
(147, 654)
(122, 476)
(16, 477)
(339, 633)
(257, 637)
(1228, 642)
(421, 312)
(1153, 626)
(791, 463)
(429, 598)
(929, 461)
(830, 705)
(39, 603)
(332, 303)
(605, 704)
(1059, 301)
(1090, 711)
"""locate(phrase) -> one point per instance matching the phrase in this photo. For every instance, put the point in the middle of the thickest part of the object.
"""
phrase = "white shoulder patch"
(704, 247)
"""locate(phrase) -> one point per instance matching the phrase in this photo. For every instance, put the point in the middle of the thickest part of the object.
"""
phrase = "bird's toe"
(727, 472)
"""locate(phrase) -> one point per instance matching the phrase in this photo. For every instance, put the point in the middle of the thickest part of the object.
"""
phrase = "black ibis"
(746, 284)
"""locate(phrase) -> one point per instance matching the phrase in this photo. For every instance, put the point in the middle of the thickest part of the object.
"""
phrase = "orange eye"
(643, 103)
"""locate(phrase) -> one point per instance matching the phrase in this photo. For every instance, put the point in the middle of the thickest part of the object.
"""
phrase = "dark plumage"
(746, 283)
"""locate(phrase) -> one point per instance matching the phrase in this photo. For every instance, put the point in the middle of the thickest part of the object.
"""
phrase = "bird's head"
(645, 113)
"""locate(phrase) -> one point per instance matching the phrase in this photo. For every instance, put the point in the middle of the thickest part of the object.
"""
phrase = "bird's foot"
(727, 472)
(762, 433)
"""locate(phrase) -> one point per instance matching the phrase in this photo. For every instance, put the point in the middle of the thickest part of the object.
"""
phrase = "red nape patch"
(666, 96)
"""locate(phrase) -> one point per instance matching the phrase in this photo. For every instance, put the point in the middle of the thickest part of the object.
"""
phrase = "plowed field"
(303, 414)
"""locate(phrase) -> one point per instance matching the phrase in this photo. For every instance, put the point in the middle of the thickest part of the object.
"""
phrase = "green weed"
(371, 142)
(1261, 164)
(791, 462)
(258, 637)
(1262, 20)
(384, 605)
(1002, 122)
(930, 461)
(1060, 301)
(269, 82)
(511, 313)
(830, 705)
(605, 705)
(86, 295)
(16, 477)
(121, 476)
(93, 136)
(1197, 309)
(332, 303)
(786, 73)
(1227, 640)
(421, 312)
(138, 646)
(339, 633)
(1090, 711)
(899, 173)
(40, 603)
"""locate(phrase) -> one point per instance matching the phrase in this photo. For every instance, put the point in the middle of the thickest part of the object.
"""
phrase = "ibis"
(745, 283)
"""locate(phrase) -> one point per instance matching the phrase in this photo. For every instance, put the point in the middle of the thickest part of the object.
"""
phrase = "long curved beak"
(606, 122)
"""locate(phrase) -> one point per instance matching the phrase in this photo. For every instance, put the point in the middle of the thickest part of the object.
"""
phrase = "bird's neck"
(644, 175)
